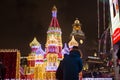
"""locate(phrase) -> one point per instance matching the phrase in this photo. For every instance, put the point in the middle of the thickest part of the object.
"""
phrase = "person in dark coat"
(59, 71)
(2, 71)
(72, 65)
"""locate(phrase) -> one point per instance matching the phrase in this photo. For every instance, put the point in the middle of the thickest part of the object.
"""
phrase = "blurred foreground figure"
(59, 72)
(72, 65)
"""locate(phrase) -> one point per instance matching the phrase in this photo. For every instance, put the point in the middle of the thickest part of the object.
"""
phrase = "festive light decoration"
(35, 61)
(18, 65)
(34, 44)
(73, 42)
(11, 60)
(77, 32)
(43, 64)
(53, 45)
(77, 29)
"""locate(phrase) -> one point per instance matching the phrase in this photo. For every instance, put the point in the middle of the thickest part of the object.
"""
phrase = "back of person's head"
(75, 51)
(75, 48)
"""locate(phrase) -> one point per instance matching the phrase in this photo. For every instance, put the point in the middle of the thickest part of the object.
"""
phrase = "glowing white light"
(81, 41)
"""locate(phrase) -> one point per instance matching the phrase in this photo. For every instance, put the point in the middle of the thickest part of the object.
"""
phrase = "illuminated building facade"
(43, 64)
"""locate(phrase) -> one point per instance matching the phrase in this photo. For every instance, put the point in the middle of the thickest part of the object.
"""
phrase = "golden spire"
(34, 42)
(76, 21)
(73, 42)
(77, 31)
(77, 25)
(54, 11)
(54, 8)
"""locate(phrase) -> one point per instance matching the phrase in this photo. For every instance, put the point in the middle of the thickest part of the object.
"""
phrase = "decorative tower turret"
(31, 58)
(53, 46)
(77, 31)
(55, 30)
(35, 59)
(34, 45)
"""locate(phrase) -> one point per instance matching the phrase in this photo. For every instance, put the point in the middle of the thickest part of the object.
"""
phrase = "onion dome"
(34, 42)
(73, 42)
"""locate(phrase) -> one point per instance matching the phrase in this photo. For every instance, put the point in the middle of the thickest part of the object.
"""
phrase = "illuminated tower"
(35, 59)
(54, 30)
(53, 46)
(77, 31)
(31, 58)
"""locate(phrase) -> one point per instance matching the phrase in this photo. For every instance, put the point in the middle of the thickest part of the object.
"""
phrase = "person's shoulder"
(65, 57)
(61, 61)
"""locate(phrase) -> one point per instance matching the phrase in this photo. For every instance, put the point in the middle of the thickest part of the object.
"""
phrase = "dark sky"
(22, 20)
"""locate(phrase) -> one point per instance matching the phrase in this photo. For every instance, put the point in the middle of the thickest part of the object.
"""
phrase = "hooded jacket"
(72, 65)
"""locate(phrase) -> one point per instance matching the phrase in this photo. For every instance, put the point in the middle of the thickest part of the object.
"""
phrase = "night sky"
(22, 20)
